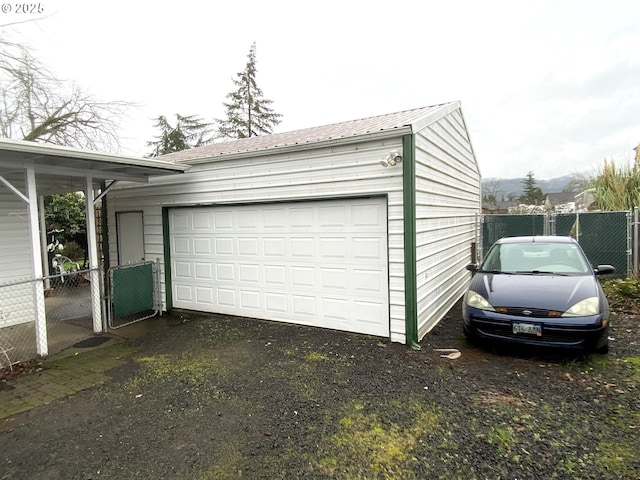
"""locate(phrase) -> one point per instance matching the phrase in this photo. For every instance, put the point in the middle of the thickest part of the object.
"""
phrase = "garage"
(317, 263)
(362, 226)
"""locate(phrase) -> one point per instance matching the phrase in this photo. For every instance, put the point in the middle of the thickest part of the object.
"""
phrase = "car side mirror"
(604, 269)
(472, 267)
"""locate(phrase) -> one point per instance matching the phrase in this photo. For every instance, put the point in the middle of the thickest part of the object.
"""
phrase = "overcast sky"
(551, 87)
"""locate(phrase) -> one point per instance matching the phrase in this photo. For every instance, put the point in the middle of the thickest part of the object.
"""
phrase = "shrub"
(623, 294)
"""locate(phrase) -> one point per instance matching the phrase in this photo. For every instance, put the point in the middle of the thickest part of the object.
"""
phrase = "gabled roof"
(398, 123)
(561, 197)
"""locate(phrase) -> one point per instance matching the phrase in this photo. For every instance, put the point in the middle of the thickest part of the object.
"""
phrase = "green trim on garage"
(167, 258)
(409, 218)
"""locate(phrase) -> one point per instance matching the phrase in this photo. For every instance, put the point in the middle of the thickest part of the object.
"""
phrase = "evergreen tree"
(248, 113)
(531, 193)
(189, 132)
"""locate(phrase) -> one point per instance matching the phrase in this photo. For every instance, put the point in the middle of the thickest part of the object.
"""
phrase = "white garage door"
(320, 263)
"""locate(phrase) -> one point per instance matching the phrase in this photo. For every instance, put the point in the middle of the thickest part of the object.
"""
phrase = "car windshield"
(536, 257)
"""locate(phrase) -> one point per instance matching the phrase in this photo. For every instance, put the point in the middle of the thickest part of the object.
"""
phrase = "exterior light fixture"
(392, 159)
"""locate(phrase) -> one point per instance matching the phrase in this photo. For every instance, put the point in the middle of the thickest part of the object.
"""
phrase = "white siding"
(336, 172)
(16, 302)
(447, 202)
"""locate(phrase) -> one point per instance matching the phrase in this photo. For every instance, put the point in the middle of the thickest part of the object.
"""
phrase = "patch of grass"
(633, 364)
(616, 460)
(229, 464)
(502, 438)
(316, 357)
(192, 367)
(367, 444)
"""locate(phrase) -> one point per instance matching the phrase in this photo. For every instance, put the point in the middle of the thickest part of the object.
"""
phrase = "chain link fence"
(68, 313)
(605, 237)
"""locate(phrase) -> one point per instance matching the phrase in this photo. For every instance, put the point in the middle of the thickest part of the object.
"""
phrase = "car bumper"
(580, 333)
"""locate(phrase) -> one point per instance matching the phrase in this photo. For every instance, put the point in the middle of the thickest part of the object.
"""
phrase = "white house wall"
(16, 301)
(447, 202)
(331, 172)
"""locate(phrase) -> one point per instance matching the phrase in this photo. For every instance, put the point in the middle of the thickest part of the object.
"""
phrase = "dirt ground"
(218, 397)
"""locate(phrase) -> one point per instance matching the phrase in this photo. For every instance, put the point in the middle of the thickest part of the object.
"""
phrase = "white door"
(321, 263)
(130, 237)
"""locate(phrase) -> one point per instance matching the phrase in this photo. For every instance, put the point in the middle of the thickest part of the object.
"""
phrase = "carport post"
(42, 347)
(43, 243)
(92, 246)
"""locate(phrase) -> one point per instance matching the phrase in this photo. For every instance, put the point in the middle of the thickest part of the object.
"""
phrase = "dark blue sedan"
(539, 291)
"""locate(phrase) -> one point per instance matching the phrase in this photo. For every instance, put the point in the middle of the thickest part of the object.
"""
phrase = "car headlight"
(587, 307)
(475, 300)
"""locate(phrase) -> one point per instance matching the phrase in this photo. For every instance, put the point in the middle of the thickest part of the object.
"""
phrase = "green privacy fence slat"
(498, 226)
(132, 290)
(602, 236)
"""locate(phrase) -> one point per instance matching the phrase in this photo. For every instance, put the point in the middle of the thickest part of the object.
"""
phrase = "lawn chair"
(63, 266)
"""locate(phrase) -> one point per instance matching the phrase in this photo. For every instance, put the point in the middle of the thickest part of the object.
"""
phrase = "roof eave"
(438, 113)
(32, 148)
(298, 147)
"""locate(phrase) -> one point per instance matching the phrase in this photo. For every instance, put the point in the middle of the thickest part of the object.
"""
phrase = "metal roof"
(397, 123)
(63, 169)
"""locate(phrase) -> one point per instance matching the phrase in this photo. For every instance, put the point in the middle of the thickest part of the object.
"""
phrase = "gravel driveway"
(232, 398)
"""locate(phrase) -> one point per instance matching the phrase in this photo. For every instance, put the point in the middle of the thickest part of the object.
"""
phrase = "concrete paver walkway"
(72, 370)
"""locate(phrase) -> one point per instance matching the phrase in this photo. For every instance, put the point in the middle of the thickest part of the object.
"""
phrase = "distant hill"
(513, 186)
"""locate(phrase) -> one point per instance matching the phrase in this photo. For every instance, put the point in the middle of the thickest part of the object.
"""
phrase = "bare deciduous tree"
(35, 105)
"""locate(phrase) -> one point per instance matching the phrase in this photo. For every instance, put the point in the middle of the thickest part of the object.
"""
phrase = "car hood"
(551, 292)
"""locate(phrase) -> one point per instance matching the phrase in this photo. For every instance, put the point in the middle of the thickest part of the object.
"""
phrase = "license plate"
(528, 328)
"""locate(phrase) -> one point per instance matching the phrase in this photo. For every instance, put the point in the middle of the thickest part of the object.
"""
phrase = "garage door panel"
(318, 263)
(183, 293)
(226, 298)
(303, 277)
(202, 246)
(304, 305)
(180, 222)
(275, 275)
(275, 247)
(334, 278)
(225, 272)
(222, 220)
(276, 302)
(368, 248)
(223, 246)
(248, 247)
(249, 273)
(369, 280)
(250, 299)
(182, 270)
(368, 215)
(333, 247)
(301, 217)
(334, 216)
(203, 271)
(274, 218)
(201, 221)
(302, 247)
(181, 246)
(336, 309)
(248, 219)
(205, 295)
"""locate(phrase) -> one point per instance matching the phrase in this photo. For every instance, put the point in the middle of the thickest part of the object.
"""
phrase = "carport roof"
(399, 123)
(63, 169)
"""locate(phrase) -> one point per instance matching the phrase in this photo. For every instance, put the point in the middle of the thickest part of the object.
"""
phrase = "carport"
(28, 172)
